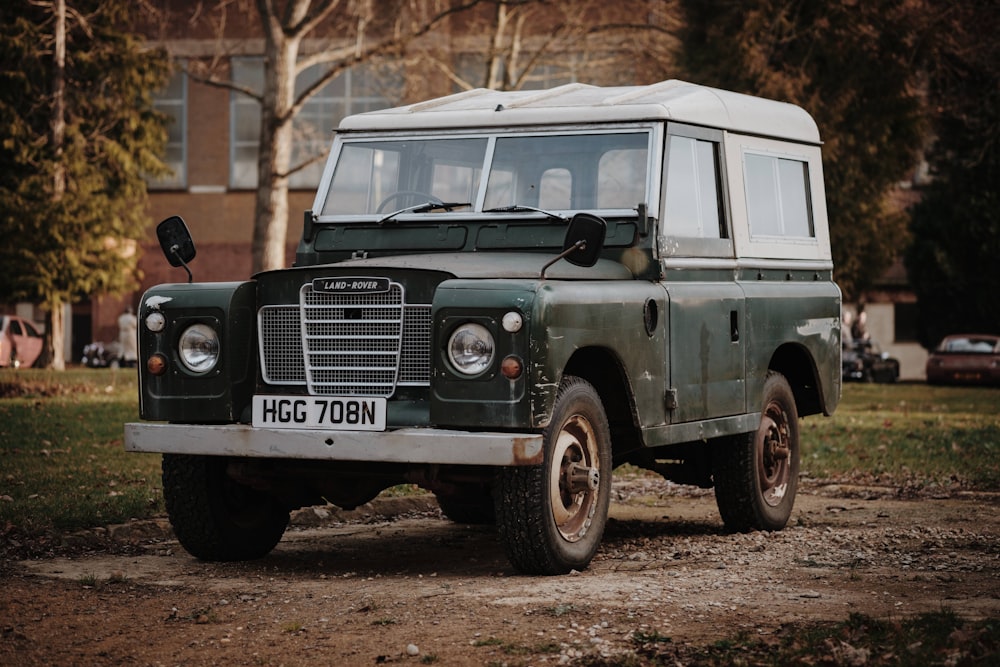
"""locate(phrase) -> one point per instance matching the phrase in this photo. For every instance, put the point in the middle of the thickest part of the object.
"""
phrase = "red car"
(965, 359)
(20, 342)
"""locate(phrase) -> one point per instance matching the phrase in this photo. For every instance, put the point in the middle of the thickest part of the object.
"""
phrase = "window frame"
(689, 246)
(777, 157)
(653, 148)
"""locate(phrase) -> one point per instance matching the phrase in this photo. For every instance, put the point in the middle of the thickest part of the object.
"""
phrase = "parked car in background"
(965, 359)
(866, 362)
(20, 342)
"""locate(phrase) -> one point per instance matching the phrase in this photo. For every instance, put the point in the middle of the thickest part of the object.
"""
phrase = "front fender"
(219, 395)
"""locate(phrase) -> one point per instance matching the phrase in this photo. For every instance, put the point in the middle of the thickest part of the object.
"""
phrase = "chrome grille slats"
(368, 321)
(353, 344)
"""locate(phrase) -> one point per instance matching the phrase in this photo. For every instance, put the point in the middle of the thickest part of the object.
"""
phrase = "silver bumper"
(408, 445)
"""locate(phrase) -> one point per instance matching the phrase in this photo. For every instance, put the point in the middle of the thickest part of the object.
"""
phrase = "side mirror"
(584, 241)
(176, 242)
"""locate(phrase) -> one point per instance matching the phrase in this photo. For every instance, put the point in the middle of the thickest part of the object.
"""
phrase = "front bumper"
(408, 445)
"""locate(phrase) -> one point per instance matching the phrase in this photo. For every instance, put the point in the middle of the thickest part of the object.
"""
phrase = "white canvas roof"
(581, 103)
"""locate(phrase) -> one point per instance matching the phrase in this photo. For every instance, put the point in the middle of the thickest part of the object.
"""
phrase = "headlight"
(470, 349)
(199, 348)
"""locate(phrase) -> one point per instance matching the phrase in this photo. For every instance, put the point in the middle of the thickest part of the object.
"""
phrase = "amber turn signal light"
(156, 364)
(511, 368)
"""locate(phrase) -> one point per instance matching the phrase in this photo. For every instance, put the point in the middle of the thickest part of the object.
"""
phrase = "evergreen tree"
(80, 136)
(956, 226)
(850, 64)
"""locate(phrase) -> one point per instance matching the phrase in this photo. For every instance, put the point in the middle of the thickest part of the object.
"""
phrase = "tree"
(528, 44)
(956, 226)
(75, 95)
(851, 65)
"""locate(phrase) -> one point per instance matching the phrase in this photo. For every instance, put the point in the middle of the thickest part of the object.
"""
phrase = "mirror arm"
(579, 245)
(173, 250)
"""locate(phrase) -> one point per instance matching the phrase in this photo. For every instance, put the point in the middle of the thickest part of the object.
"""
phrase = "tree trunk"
(56, 331)
(55, 334)
(275, 158)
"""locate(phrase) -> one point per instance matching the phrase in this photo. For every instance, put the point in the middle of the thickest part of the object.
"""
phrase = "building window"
(172, 102)
(360, 89)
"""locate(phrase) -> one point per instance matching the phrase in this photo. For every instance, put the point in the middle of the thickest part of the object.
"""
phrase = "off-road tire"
(214, 517)
(756, 474)
(544, 526)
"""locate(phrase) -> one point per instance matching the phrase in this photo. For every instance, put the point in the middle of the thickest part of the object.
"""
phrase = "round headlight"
(199, 348)
(470, 349)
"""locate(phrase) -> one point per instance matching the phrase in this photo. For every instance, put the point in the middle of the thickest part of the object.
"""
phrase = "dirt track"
(395, 582)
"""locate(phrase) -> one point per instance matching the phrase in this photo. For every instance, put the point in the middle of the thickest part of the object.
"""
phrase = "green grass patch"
(908, 435)
(62, 464)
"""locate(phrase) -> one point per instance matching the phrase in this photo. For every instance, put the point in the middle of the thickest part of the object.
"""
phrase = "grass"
(62, 465)
(908, 435)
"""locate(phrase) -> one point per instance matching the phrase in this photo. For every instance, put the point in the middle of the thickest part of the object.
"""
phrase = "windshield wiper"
(426, 207)
(517, 208)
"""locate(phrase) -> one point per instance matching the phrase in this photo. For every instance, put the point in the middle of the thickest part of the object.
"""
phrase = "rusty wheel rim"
(773, 446)
(574, 476)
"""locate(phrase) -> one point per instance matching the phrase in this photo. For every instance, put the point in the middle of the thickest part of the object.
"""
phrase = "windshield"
(568, 171)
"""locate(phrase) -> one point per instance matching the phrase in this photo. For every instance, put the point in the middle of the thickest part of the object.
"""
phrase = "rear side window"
(778, 196)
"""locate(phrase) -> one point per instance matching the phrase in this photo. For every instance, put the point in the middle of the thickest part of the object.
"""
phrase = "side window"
(778, 196)
(692, 189)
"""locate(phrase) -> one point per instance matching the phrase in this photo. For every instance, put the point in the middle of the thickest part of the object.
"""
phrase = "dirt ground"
(394, 582)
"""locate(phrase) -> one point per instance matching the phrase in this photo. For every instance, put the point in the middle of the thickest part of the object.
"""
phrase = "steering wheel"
(407, 193)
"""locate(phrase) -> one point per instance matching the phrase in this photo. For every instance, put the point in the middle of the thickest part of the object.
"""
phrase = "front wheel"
(551, 517)
(214, 517)
(756, 474)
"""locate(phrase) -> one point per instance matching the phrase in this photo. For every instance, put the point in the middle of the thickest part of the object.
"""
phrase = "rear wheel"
(551, 517)
(756, 474)
(214, 517)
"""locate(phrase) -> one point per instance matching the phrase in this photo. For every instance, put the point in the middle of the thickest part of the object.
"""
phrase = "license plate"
(340, 413)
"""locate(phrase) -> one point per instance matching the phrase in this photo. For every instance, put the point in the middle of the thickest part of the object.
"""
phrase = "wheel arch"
(795, 362)
(604, 370)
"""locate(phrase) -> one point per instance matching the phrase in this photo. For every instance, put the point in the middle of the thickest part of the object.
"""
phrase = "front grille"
(346, 344)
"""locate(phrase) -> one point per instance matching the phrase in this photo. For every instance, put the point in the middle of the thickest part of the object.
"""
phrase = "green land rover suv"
(501, 297)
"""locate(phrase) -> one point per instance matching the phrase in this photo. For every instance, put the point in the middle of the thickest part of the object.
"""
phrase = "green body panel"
(794, 325)
(707, 349)
(489, 400)
(608, 317)
(223, 393)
